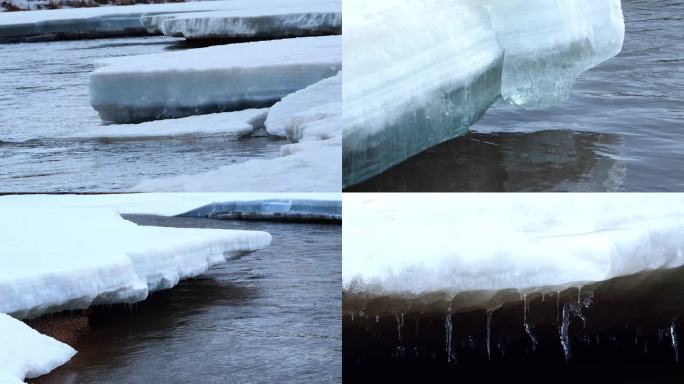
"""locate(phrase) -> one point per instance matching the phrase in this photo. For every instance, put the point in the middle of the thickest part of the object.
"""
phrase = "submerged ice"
(422, 72)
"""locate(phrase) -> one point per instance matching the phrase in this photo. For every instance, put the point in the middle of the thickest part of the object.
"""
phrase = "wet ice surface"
(44, 95)
(620, 130)
(271, 316)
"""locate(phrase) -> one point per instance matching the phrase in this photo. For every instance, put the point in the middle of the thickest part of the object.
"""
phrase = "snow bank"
(421, 72)
(64, 23)
(431, 242)
(238, 123)
(272, 209)
(25, 353)
(256, 21)
(311, 120)
(213, 79)
(90, 255)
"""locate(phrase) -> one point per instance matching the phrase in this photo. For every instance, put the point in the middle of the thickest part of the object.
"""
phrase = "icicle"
(526, 325)
(675, 344)
(400, 325)
(557, 306)
(542, 297)
(570, 309)
(579, 295)
(352, 317)
(449, 334)
(377, 319)
(489, 329)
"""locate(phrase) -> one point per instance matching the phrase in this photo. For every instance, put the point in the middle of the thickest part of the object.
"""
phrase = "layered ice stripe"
(545, 45)
(25, 353)
(279, 209)
(430, 243)
(90, 255)
(308, 114)
(416, 74)
(214, 79)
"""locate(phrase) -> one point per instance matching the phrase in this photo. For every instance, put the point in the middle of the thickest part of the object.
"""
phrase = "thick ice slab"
(272, 209)
(256, 21)
(425, 243)
(238, 123)
(25, 353)
(90, 255)
(214, 79)
(422, 72)
(71, 23)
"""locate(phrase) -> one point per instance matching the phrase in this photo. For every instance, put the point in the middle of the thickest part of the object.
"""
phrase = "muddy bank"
(624, 329)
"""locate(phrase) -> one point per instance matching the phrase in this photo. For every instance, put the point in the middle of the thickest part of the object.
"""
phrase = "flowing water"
(621, 130)
(272, 316)
(44, 97)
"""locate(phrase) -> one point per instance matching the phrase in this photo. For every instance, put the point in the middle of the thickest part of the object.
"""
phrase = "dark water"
(272, 316)
(621, 130)
(44, 97)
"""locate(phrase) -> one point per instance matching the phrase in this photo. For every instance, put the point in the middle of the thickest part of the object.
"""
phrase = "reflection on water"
(546, 160)
(271, 316)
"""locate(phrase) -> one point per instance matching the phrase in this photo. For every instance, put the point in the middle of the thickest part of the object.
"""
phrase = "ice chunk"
(213, 79)
(238, 123)
(308, 114)
(272, 209)
(422, 72)
(433, 242)
(25, 353)
(285, 19)
(88, 254)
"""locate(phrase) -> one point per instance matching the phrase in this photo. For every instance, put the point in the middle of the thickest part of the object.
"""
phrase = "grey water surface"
(621, 130)
(272, 316)
(44, 97)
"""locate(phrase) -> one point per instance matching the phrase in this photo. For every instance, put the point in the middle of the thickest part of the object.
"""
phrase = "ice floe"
(421, 72)
(432, 242)
(272, 209)
(213, 79)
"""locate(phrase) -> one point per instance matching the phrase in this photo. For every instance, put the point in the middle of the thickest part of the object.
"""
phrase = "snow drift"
(422, 72)
(213, 79)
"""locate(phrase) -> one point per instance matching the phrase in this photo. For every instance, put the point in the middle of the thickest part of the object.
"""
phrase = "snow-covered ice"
(237, 124)
(92, 22)
(311, 120)
(431, 242)
(213, 79)
(255, 21)
(25, 353)
(421, 72)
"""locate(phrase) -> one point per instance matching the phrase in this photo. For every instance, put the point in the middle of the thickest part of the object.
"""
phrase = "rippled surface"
(622, 129)
(273, 316)
(44, 96)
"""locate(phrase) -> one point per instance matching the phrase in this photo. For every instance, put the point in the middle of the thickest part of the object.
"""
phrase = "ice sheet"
(431, 242)
(213, 79)
(25, 353)
(274, 209)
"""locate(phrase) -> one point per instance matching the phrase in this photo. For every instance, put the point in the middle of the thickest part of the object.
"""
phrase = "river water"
(621, 130)
(272, 316)
(44, 97)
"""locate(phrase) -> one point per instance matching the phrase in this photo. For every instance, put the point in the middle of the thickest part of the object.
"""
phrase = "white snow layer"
(213, 79)
(59, 254)
(430, 242)
(311, 120)
(280, 19)
(238, 123)
(25, 353)
(421, 72)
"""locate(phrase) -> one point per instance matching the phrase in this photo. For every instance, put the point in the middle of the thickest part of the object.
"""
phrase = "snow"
(280, 19)
(88, 254)
(454, 242)
(311, 119)
(25, 353)
(309, 113)
(421, 72)
(238, 123)
(213, 79)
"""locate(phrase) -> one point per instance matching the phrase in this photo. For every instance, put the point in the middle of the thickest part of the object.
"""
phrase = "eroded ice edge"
(311, 120)
(87, 254)
(422, 72)
(273, 209)
(214, 79)
(429, 243)
(265, 19)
